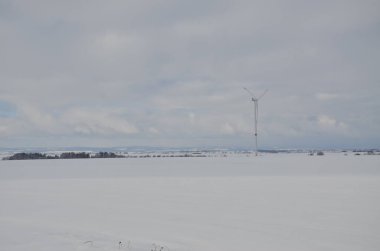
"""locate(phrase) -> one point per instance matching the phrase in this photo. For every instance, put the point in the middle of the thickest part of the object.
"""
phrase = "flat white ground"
(273, 202)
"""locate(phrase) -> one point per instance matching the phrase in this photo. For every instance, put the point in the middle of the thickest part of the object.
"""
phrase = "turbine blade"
(262, 95)
(253, 96)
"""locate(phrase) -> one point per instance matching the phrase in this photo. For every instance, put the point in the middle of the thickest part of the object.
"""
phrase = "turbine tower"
(256, 103)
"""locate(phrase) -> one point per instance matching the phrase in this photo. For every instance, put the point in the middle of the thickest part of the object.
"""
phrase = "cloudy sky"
(170, 73)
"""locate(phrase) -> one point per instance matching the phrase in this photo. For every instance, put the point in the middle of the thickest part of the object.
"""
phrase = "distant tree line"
(21, 156)
(107, 155)
(65, 155)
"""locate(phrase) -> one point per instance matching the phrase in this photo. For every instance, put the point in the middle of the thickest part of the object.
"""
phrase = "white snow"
(273, 202)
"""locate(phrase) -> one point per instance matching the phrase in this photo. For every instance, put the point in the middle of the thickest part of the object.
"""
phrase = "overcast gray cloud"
(170, 73)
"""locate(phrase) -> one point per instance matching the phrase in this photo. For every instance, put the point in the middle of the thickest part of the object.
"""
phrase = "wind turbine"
(256, 103)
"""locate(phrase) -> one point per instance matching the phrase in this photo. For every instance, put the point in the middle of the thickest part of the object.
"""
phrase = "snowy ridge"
(156, 152)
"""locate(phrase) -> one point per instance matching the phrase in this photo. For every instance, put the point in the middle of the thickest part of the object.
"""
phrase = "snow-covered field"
(273, 202)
